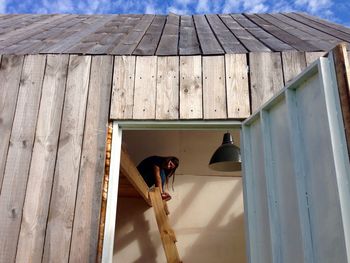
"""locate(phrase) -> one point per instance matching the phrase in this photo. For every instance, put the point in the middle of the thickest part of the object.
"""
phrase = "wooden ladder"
(167, 234)
(152, 198)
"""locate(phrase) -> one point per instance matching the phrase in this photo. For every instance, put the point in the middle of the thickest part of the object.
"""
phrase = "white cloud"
(314, 6)
(231, 6)
(203, 7)
(255, 6)
(179, 11)
(3, 4)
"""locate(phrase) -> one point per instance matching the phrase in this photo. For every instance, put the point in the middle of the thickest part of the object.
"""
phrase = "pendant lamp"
(227, 157)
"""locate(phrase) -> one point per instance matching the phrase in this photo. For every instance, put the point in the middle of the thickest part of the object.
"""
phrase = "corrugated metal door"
(296, 173)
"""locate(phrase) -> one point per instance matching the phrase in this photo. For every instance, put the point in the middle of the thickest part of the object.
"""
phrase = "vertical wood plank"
(86, 217)
(123, 87)
(145, 88)
(312, 56)
(237, 86)
(61, 214)
(19, 155)
(167, 101)
(191, 93)
(293, 63)
(10, 73)
(266, 77)
(36, 206)
(214, 92)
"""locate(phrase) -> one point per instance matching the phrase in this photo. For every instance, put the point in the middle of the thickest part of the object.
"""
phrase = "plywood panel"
(191, 93)
(145, 88)
(38, 192)
(167, 101)
(10, 73)
(19, 155)
(237, 86)
(86, 217)
(266, 77)
(293, 63)
(214, 92)
(123, 87)
(61, 214)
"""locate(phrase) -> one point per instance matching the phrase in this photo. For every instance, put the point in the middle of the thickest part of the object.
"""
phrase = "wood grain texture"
(284, 36)
(129, 43)
(315, 42)
(168, 43)
(323, 37)
(237, 86)
(61, 213)
(191, 91)
(88, 200)
(214, 91)
(122, 101)
(188, 41)
(320, 27)
(228, 41)
(209, 43)
(10, 73)
(167, 234)
(269, 40)
(266, 77)
(150, 39)
(293, 63)
(312, 56)
(19, 155)
(342, 67)
(167, 101)
(129, 170)
(248, 40)
(38, 192)
(145, 88)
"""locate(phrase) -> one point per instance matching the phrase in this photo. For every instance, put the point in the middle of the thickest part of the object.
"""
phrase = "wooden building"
(63, 78)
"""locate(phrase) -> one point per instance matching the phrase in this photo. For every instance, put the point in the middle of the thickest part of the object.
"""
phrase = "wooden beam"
(342, 69)
(129, 170)
(167, 234)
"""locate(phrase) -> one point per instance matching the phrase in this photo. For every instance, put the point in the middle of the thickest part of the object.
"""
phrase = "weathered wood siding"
(54, 111)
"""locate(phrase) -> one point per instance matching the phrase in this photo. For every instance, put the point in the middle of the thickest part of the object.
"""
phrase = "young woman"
(157, 170)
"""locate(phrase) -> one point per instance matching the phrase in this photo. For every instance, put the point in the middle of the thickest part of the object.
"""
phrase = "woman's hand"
(165, 196)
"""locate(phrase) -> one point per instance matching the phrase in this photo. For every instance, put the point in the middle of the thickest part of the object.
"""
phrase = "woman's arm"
(158, 179)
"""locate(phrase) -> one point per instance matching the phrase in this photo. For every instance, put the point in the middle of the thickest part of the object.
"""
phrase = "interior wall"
(206, 213)
(193, 148)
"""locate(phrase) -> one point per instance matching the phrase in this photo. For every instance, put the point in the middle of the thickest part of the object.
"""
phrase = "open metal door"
(296, 173)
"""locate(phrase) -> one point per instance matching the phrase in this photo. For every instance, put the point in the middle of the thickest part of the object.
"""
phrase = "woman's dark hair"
(171, 172)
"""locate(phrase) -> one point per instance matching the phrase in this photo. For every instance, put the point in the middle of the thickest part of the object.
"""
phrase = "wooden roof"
(167, 34)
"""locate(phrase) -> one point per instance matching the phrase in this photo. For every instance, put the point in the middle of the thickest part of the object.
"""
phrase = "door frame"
(113, 181)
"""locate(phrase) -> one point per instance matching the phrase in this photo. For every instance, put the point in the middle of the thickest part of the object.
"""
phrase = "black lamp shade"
(227, 157)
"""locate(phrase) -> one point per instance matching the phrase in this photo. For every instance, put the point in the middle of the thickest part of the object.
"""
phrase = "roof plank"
(323, 28)
(248, 40)
(150, 40)
(284, 36)
(227, 40)
(207, 39)
(293, 30)
(168, 44)
(326, 23)
(188, 42)
(129, 43)
(271, 41)
(69, 42)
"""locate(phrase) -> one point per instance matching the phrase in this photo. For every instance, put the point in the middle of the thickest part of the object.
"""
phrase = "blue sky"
(334, 10)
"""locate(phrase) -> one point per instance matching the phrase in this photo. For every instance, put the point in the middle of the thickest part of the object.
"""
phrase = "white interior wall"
(206, 211)
(194, 148)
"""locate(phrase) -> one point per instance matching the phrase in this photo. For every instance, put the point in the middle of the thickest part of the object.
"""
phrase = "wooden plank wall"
(54, 111)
